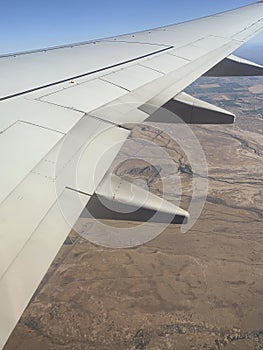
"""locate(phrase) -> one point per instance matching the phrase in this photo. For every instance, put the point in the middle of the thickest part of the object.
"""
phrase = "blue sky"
(30, 24)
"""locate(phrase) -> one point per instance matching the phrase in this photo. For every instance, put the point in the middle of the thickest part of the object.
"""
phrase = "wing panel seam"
(86, 74)
(29, 123)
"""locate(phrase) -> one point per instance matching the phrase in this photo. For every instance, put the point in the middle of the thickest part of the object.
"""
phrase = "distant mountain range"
(251, 52)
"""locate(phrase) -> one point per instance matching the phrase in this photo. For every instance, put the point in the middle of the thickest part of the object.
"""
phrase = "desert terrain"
(197, 290)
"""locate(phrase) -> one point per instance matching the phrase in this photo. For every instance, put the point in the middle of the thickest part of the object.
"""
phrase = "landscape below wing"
(66, 112)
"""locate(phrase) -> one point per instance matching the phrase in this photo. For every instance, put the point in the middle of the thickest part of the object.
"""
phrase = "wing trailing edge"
(190, 110)
(235, 66)
(117, 199)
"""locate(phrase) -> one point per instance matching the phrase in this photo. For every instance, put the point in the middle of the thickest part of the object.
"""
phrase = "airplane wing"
(69, 107)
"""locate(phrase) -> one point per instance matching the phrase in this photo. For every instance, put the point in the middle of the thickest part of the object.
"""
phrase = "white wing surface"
(73, 107)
